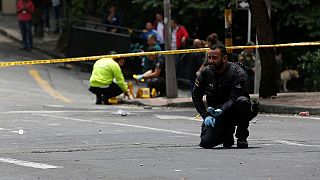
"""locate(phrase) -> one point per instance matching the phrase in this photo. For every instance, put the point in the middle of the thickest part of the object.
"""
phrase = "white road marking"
(160, 117)
(54, 105)
(31, 112)
(120, 124)
(4, 129)
(295, 144)
(28, 164)
(155, 129)
(164, 130)
(177, 117)
(75, 111)
(140, 110)
(15, 131)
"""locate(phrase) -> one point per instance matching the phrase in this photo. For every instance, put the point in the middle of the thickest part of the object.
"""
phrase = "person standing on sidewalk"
(25, 10)
(46, 14)
(225, 86)
(56, 5)
(247, 58)
(37, 19)
(158, 25)
(107, 80)
(179, 35)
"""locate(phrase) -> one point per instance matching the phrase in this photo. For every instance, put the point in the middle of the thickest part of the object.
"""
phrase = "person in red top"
(25, 10)
(179, 35)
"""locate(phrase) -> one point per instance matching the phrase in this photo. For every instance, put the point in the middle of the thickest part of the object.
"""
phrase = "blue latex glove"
(209, 121)
(139, 77)
(214, 112)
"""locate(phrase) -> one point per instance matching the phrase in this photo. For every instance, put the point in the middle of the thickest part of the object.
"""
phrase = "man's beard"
(216, 67)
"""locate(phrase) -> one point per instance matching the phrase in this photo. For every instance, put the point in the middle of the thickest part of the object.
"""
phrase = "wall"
(8, 6)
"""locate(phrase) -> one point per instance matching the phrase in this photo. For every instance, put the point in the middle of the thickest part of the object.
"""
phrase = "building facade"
(8, 6)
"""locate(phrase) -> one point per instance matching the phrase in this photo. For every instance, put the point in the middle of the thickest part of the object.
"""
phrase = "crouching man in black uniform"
(225, 86)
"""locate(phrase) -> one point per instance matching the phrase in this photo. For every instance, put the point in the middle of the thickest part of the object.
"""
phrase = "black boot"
(242, 144)
(99, 99)
(228, 141)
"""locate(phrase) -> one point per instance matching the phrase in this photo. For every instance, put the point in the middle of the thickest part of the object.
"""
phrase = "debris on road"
(20, 131)
(147, 107)
(121, 112)
(304, 113)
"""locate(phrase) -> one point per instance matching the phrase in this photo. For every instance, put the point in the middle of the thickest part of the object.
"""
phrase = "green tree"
(77, 9)
(292, 16)
(309, 66)
(297, 15)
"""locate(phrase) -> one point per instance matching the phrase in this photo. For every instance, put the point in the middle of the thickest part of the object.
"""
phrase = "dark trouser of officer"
(251, 83)
(222, 133)
(105, 93)
(159, 84)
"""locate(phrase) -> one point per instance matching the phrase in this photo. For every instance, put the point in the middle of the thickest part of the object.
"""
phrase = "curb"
(6, 34)
(188, 104)
(280, 109)
(263, 108)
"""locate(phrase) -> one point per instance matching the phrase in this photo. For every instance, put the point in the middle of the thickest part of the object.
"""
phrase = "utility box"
(8, 6)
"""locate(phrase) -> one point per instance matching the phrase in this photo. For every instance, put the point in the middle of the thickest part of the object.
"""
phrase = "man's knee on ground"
(208, 144)
(210, 137)
(243, 103)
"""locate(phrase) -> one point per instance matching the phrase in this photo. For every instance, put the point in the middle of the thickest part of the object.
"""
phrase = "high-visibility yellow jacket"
(105, 71)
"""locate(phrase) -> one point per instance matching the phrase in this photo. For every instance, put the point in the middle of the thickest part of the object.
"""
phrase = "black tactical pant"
(159, 84)
(222, 133)
(103, 94)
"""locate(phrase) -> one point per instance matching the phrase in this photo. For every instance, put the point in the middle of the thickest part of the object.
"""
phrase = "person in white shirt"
(159, 27)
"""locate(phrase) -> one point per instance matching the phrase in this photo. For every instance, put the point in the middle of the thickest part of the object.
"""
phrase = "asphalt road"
(50, 129)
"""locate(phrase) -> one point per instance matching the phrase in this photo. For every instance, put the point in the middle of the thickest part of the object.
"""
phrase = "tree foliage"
(309, 66)
(77, 9)
(293, 15)
(184, 6)
(301, 14)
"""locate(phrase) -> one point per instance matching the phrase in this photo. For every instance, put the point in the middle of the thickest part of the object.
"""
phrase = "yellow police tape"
(183, 51)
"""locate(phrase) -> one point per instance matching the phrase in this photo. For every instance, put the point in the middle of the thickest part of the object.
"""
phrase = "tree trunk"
(261, 19)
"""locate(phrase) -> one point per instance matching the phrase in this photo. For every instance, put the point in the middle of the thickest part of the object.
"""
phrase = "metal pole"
(257, 74)
(249, 26)
(171, 79)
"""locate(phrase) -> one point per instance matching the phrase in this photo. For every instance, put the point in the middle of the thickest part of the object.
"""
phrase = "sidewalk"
(284, 103)
(9, 28)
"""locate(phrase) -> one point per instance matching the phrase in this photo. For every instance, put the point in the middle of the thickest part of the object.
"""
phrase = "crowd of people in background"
(188, 66)
(35, 14)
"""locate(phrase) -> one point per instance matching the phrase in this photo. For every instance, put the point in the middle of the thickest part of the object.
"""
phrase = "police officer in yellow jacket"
(107, 80)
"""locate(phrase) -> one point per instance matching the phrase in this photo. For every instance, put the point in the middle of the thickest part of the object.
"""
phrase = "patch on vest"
(238, 86)
(196, 82)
